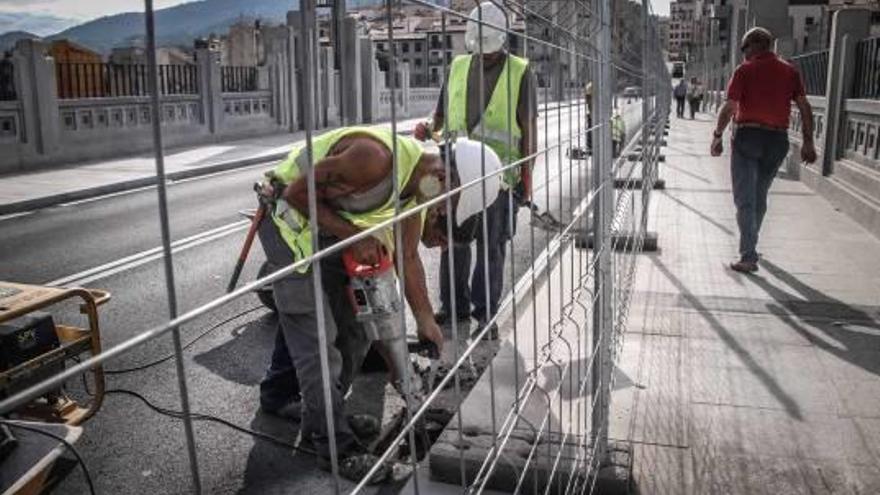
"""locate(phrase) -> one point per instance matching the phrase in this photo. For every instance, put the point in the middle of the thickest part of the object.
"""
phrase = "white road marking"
(10, 216)
(143, 257)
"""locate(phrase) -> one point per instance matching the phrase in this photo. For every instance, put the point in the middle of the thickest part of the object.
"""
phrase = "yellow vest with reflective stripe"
(618, 128)
(501, 132)
(294, 227)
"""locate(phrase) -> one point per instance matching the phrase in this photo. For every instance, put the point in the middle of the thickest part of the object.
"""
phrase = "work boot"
(291, 411)
(364, 426)
(744, 266)
(354, 464)
(443, 317)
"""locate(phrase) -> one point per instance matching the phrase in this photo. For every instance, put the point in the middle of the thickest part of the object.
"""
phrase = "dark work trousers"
(695, 106)
(679, 107)
(756, 157)
(499, 232)
(296, 357)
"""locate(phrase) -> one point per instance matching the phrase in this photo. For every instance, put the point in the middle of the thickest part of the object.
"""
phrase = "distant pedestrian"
(694, 96)
(759, 97)
(680, 92)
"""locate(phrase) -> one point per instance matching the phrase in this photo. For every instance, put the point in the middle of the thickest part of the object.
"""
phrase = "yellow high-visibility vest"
(500, 129)
(294, 227)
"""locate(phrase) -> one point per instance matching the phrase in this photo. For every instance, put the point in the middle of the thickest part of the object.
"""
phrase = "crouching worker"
(354, 189)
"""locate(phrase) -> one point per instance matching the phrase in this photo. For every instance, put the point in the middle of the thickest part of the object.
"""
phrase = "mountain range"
(180, 24)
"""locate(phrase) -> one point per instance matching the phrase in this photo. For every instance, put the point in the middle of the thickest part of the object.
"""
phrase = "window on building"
(418, 62)
(448, 41)
(417, 46)
(404, 47)
(380, 46)
(809, 21)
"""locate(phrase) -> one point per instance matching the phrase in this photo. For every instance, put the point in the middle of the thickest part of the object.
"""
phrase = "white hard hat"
(470, 166)
(493, 38)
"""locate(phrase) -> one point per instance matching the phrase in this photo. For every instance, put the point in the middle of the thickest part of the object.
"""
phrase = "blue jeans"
(500, 230)
(756, 157)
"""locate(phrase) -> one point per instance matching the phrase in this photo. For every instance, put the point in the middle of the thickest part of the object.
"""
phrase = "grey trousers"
(347, 343)
(755, 158)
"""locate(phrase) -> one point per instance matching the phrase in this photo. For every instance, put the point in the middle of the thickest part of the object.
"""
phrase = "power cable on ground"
(210, 329)
(212, 419)
(69, 446)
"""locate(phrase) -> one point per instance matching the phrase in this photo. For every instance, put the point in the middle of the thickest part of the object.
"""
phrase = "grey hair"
(758, 37)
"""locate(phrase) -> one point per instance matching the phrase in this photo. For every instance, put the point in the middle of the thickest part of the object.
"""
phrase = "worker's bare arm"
(361, 165)
(415, 288)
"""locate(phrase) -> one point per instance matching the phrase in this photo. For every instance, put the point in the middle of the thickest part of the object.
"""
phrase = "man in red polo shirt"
(759, 98)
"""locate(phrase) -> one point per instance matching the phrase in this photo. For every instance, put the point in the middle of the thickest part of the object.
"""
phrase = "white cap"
(468, 163)
(493, 39)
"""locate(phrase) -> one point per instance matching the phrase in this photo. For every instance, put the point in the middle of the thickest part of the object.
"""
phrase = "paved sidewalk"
(761, 384)
(48, 187)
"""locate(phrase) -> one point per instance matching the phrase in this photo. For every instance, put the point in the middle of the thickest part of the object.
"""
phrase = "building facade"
(808, 21)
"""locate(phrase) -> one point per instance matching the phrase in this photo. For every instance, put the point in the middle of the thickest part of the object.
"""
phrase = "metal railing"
(108, 80)
(565, 313)
(814, 71)
(867, 80)
(238, 79)
(7, 80)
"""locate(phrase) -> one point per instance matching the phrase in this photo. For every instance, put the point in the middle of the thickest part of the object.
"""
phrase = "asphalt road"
(112, 243)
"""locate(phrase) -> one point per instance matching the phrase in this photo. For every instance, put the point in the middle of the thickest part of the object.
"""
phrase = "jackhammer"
(377, 306)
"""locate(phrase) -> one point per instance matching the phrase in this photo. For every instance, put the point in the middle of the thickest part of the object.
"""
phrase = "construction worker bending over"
(507, 125)
(354, 191)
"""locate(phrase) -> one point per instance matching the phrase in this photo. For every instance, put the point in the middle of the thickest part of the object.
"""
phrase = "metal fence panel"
(867, 79)
(596, 181)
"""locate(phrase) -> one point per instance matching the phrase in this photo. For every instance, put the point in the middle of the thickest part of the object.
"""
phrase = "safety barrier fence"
(103, 80)
(814, 70)
(238, 79)
(566, 315)
(867, 79)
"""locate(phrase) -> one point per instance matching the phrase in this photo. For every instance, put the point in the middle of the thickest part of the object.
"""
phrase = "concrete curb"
(93, 192)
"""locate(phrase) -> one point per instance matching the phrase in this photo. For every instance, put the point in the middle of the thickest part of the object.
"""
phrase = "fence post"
(854, 24)
(208, 62)
(602, 245)
(36, 87)
(405, 89)
(368, 79)
(351, 87)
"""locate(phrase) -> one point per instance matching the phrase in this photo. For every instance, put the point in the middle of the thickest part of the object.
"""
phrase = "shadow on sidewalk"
(688, 173)
(700, 214)
(857, 331)
(791, 407)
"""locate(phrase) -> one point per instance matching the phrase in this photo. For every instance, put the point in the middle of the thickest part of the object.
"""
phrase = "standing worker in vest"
(506, 124)
(353, 169)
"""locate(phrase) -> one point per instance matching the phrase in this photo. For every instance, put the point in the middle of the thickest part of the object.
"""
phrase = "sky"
(80, 10)
(48, 16)
(661, 7)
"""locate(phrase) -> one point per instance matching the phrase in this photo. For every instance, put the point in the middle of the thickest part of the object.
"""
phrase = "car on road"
(632, 92)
